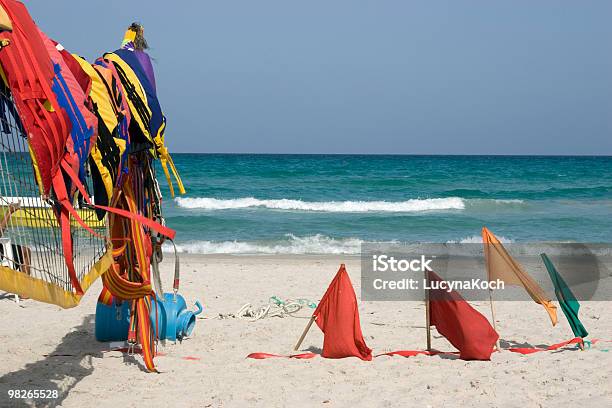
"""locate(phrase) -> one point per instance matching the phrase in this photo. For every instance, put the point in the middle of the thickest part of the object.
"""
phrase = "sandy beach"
(428, 153)
(49, 348)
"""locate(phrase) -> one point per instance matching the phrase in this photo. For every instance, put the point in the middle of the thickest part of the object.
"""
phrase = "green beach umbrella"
(567, 300)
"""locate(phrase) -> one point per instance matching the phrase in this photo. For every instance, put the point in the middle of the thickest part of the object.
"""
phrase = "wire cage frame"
(30, 237)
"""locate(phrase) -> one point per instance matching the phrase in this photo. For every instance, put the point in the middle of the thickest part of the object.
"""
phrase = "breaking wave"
(414, 205)
(477, 239)
(293, 245)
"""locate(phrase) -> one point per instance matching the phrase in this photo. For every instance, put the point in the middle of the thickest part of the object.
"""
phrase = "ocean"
(330, 204)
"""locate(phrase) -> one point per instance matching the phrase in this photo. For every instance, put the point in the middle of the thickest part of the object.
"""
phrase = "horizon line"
(399, 154)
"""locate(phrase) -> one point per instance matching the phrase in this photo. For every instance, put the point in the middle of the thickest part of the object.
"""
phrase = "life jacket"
(5, 21)
(35, 82)
(77, 70)
(108, 156)
(29, 71)
(72, 97)
(7, 107)
(157, 121)
(140, 126)
(145, 109)
(119, 105)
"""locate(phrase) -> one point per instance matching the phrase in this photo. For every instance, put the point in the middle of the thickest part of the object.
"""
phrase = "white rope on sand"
(276, 307)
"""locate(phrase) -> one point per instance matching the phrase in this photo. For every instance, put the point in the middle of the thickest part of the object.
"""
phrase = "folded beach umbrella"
(338, 317)
(462, 325)
(567, 300)
(500, 265)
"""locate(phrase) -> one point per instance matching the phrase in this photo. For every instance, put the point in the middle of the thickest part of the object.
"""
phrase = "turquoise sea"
(242, 203)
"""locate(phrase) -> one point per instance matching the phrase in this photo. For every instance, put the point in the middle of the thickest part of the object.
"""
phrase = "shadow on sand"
(61, 370)
(506, 344)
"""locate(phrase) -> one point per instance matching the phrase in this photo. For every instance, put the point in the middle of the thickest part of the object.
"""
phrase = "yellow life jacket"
(141, 112)
(106, 154)
(136, 96)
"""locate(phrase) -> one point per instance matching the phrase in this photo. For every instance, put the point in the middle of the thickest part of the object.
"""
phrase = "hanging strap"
(155, 226)
(145, 334)
(106, 297)
(165, 160)
(123, 288)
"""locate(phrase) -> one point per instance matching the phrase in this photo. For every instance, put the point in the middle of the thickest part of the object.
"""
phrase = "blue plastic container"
(174, 321)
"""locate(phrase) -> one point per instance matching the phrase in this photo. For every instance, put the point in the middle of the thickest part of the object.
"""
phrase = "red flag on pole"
(338, 317)
(464, 327)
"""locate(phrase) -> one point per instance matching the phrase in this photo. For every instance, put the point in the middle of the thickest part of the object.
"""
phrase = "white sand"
(87, 376)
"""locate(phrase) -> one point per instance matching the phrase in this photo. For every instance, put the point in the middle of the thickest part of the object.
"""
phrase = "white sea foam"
(414, 205)
(510, 201)
(323, 245)
(493, 203)
(477, 239)
(315, 244)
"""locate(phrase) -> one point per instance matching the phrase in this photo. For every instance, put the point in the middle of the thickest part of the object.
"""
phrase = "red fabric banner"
(338, 318)
(464, 327)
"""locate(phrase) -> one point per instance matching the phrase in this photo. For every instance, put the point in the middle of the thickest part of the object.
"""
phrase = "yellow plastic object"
(24, 285)
(43, 217)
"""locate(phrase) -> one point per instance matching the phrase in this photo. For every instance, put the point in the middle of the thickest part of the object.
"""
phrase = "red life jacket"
(29, 72)
(77, 107)
(30, 75)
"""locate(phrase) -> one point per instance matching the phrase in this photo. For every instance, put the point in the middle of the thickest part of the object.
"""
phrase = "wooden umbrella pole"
(427, 314)
(493, 318)
(299, 343)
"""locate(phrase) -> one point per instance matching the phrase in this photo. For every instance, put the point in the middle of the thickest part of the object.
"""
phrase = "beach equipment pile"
(78, 186)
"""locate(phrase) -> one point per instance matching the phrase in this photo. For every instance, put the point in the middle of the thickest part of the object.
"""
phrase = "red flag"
(464, 327)
(338, 317)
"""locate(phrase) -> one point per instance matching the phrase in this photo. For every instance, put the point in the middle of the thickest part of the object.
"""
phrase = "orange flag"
(338, 318)
(500, 265)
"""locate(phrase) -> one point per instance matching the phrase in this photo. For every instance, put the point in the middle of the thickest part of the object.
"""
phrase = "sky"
(356, 76)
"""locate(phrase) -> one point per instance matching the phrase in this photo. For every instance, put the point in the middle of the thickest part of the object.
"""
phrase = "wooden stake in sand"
(493, 318)
(427, 312)
(299, 343)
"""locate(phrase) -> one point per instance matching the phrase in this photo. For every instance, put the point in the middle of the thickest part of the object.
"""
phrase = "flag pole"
(427, 313)
(493, 318)
(486, 248)
(299, 343)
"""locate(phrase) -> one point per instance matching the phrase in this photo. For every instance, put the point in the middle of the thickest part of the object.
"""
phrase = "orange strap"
(106, 297)
(123, 288)
(145, 335)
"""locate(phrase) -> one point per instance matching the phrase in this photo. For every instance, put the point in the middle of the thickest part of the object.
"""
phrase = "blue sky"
(340, 76)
